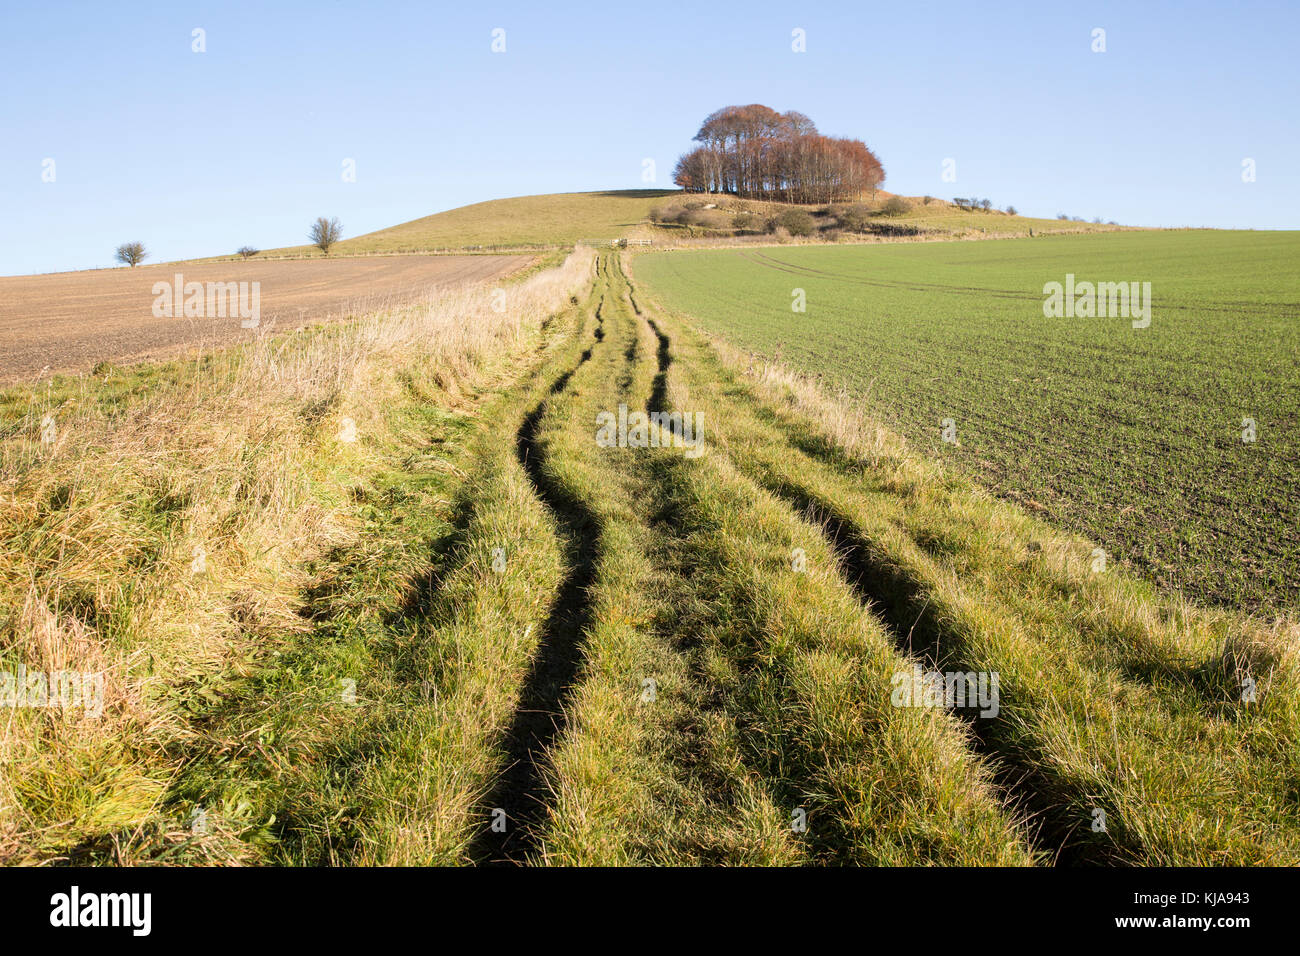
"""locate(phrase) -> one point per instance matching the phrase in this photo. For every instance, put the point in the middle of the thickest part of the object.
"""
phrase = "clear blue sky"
(197, 154)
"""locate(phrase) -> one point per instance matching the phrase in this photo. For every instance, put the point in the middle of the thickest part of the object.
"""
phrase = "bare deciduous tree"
(247, 252)
(324, 233)
(131, 253)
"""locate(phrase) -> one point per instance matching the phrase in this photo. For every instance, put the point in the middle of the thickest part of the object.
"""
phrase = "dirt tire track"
(541, 714)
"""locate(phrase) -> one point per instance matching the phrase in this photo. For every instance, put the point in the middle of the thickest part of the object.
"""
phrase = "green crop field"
(1134, 437)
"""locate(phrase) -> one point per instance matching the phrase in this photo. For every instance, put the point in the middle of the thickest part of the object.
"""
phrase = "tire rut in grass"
(720, 791)
(691, 751)
(659, 390)
(914, 624)
(903, 607)
(540, 714)
(911, 620)
(1050, 801)
(790, 785)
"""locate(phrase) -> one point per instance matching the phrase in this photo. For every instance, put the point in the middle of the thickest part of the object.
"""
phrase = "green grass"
(771, 686)
(519, 685)
(1132, 437)
(1113, 699)
(643, 773)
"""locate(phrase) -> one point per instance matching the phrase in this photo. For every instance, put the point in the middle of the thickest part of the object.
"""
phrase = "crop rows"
(1134, 437)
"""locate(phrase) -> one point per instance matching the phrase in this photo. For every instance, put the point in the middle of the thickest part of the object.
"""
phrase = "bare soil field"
(70, 321)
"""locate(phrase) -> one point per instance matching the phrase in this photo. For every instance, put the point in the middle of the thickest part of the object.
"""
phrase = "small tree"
(987, 204)
(1011, 211)
(324, 233)
(131, 253)
(247, 251)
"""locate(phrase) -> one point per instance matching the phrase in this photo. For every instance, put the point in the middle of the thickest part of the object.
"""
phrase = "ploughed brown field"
(70, 321)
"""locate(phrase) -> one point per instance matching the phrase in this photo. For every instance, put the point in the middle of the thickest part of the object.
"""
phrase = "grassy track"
(647, 771)
(770, 662)
(1132, 437)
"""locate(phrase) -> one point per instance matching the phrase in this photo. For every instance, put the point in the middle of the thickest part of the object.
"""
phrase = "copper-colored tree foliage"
(756, 152)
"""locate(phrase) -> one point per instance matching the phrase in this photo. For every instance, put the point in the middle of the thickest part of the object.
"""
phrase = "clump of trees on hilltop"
(755, 152)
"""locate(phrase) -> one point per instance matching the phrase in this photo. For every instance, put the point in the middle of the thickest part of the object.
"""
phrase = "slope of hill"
(708, 216)
(561, 219)
(556, 219)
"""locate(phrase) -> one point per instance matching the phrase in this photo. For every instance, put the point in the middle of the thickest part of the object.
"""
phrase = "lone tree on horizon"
(324, 233)
(247, 251)
(131, 253)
